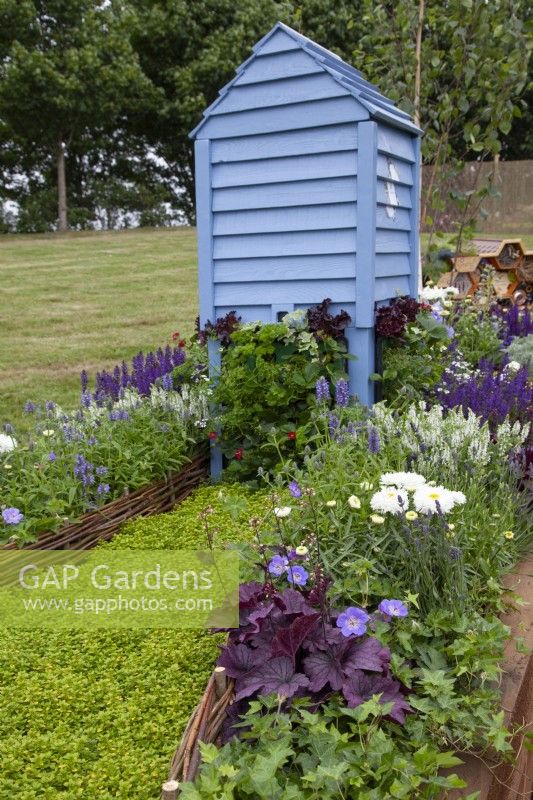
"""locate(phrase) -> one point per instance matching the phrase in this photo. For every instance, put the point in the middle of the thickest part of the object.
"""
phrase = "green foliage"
(140, 88)
(446, 560)
(449, 659)
(415, 362)
(338, 752)
(449, 663)
(521, 350)
(474, 68)
(96, 715)
(71, 463)
(267, 383)
(477, 335)
(180, 530)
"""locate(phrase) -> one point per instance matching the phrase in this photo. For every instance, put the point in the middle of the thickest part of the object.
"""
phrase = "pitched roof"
(378, 106)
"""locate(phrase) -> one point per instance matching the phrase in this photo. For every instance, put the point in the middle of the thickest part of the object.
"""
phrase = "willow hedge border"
(103, 523)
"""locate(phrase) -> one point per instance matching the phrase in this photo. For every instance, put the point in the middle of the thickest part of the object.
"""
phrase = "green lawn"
(87, 300)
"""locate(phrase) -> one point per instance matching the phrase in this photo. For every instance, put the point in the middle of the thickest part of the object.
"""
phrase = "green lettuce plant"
(521, 351)
(266, 385)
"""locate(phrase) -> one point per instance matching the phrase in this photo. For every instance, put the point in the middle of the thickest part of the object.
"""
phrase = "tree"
(68, 73)
(473, 68)
(190, 50)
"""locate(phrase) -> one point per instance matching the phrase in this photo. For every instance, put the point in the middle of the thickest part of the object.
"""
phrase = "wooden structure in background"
(513, 265)
(307, 187)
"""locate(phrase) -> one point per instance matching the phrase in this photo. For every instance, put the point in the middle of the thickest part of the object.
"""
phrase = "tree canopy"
(97, 98)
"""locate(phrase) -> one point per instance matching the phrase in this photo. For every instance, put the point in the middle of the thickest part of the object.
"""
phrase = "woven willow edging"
(204, 725)
(102, 524)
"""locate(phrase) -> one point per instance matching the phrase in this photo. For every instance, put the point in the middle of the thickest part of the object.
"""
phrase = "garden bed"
(511, 781)
(102, 523)
(504, 781)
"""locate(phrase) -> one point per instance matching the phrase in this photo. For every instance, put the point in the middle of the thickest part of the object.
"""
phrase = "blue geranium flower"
(352, 622)
(12, 516)
(294, 489)
(278, 565)
(297, 575)
(393, 608)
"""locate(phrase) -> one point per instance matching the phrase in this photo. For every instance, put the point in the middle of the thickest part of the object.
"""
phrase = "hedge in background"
(97, 715)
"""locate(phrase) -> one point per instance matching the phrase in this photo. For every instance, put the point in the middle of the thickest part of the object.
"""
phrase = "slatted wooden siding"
(294, 166)
(396, 238)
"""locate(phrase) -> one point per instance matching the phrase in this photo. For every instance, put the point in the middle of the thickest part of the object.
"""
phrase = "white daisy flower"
(354, 502)
(391, 500)
(430, 499)
(7, 443)
(282, 511)
(404, 480)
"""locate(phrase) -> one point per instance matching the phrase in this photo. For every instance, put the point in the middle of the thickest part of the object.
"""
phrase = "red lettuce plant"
(221, 329)
(322, 323)
(392, 320)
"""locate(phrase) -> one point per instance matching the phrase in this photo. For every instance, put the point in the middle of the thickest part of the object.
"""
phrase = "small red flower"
(213, 436)
(291, 436)
(182, 343)
(239, 454)
(175, 335)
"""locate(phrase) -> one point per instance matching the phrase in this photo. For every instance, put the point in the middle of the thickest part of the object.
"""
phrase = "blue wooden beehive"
(307, 183)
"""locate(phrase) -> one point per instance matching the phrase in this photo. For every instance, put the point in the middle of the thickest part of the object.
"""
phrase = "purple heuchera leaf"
(249, 594)
(283, 646)
(238, 660)
(259, 614)
(322, 323)
(293, 602)
(333, 665)
(275, 676)
(360, 687)
(323, 668)
(288, 641)
(366, 654)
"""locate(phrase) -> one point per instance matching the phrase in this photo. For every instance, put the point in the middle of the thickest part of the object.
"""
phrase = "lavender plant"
(494, 395)
(141, 375)
(514, 322)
